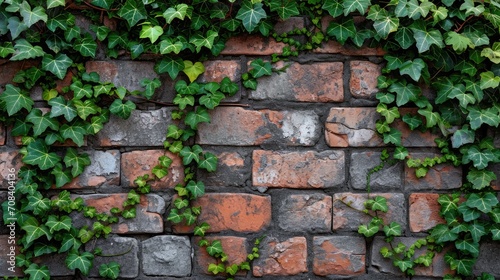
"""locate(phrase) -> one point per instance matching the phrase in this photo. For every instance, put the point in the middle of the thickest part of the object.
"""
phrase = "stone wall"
(292, 155)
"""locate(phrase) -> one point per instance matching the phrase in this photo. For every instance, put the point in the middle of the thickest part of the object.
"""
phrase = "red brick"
(439, 177)
(424, 211)
(148, 212)
(277, 258)
(216, 70)
(283, 26)
(339, 255)
(231, 168)
(252, 45)
(332, 47)
(298, 169)
(9, 159)
(104, 170)
(234, 247)
(249, 128)
(139, 163)
(8, 69)
(238, 212)
(363, 82)
(355, 127)
(318, 82)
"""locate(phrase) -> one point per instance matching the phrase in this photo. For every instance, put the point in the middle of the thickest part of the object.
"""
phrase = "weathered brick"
(355, 127)
(148, 213)
(233, 168)
(142, 128)
(139, 163)
(123, 250)
(363, 162)
(8, 253)
(55, 263)
(439, 177)
(238, 212)
(104, 170)
(8, 69)
(318, 82)
(216, 70)
(305, 213)
(234, 247)
(2, 135)
(363, 81)
(252, 45)
(333, 47)
(298, 169)
(9, 159)
(424, 211)
(249, 127)
(487, 261)
(284, 26)
(339, 255)
(127, 74)
(277, 258)
(348, 207)
(166, 255)
(438, 267)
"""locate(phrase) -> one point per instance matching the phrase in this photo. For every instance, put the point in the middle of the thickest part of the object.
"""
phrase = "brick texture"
(363, 80)
(235, 248)
(281, 258)
(339, 255)
(424, 211)
(2, 135)
(9, 159)
(305, 213)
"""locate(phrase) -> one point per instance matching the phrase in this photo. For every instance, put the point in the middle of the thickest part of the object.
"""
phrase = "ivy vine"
(449, 48)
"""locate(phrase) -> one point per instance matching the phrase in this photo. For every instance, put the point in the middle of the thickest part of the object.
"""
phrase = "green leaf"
(85, 108)
(215, 248)
(57, 65)
(216, 268)
(174, 216)
(342, 31)
(189, 154)
(403, 265)
(413, 122)
(208, 162)
(38, 154)
(55, 223)
(37, 273)
(458, 41)
(468, 245)
(482, 202)
(74, 132)
(55, 3)
(355, 5)
(415, 10)
(181, 203)
(480, 178)
(76, 161)
(404, 92)
(133, 11)
(393, 229)
(432, 118)
(404, 37)
(462, 266)
(468, 214)
(43, 249)
(193, 70)
(250, 14)
(61, 107)
(480, 158)
(30, 16)
(413, 68)
(201, 229)
(443, 234)
(204, 41)
(105, 4)
(489, 80)
(284, 8)
(425, 39)
(333, 7)
(368, 230)
(198, 116)
(170, 65)
(211, 100)
(82, 262)
(477, 230)
(6, 49)
(260, 68)
(24, 50)
(123, 110)
(167, 46)
(86, 46)
(15, 99)
(41, 122)
(197, 189)
(151, 32)
(35, 231)
(462, 136)
(179, 11)
(110, 270)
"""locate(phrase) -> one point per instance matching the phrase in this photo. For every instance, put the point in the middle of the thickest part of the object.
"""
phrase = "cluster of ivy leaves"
(442, 58)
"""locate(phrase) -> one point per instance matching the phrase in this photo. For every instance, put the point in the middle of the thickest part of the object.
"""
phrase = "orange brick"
(234, 247)
(139, 163)
(252, 45)
(439, 177)
(238, 212)
(363, 81)
(339, 255)
(424, 211)
(277, 258)
(216, 70)
(8, 69)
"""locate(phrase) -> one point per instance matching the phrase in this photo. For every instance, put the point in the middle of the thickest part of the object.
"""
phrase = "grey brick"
(305, 213)
(123, 250)
(390, 177)
(167, 255)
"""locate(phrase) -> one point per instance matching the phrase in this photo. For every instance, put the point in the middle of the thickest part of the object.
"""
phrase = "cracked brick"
(279, 258)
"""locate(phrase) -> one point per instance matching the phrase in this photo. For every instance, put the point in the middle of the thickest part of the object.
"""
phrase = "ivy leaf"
(74, 132)
(133, 11)
(201, 229)
(76, 161)
(400, 153)
(197, 189)
(61, 107)
(334, 7)
(404, 37)
(6, 49)
(211, 100)
(62, 176)
(404, 92)
(413, 122)
(38, 273)
(55, 3)
(167, 46)
(151, 32)
(384, 25)
(43, 249)
(30, 16)
(105, 4)
(95, 125)
(413, 68)
(284, 8)
(389, 114)
(260, 68)
(193, 70)
(231, 24)
(250, 14)
(35, 231)
(179, 11)
(82, 262)
(200, 41)
(174, 216)
(15, 99)
(448, 204)
(38, 154)
(169, 65)
(41, 122)
(493, 53)
(393, 229)
(86, 46)
(216, 268)
(462, 266)
(183, 100)
(342, 31)
(55, 223)
(355, 5)
(57, 65)
(468, 214)
(431, 118)
(215, 248)
(85, 108)
(443, 234)
(404, 264)
(480, 178)
(478, 116)
(123, 110)
(489, 80)
(462, 136)
(368, 230)
(459, 42)
(189, 154)
(482, 202)
(480, 158)
(198, 116)
(24, 50)
(415, 10)
(425, 39)
(110, 270)
(208, 162)
(81, 90)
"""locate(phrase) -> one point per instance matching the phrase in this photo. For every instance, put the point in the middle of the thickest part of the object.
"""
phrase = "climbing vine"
(441, 59)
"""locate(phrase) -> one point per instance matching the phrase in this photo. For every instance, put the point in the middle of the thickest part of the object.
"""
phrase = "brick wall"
(292, 155)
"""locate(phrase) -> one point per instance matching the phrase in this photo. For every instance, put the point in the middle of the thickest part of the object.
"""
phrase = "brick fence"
(292, 155)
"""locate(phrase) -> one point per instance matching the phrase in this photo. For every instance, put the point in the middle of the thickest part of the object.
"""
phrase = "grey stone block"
(123, 250)
(306, 213)
(362, 162)
(167, 255)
